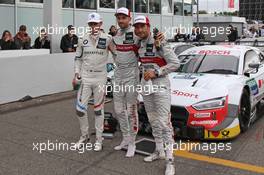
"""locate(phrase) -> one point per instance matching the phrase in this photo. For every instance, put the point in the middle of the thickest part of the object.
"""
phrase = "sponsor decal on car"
(261, 82)
(202, 115)
(204, 122)
(253, 85)
(225, 133)
(214, 133)
(214, 52)
(184, 94)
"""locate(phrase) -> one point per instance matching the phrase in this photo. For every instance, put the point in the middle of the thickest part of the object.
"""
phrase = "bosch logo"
(214, 52)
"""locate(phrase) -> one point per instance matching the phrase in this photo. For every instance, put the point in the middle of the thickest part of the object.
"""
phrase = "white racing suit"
(90, 64)
(126, 75)
(157, 101)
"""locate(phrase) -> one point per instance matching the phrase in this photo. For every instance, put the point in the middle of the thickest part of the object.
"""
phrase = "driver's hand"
(148, 75)
(160, 37)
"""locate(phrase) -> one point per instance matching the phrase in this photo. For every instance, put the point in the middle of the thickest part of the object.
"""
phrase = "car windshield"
(178, 50)
(215, 64)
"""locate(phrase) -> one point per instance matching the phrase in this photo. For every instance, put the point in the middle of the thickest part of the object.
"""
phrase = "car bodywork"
(206, 104)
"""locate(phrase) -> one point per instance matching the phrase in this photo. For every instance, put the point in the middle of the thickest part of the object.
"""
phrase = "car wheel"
(244, 111)
(260, 109)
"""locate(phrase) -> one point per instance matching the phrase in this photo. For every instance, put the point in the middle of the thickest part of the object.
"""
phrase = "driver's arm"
(172, 60)
(78, 58)
(112, 47)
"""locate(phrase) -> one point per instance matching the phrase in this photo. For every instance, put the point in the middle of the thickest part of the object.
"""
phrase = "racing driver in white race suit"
(157, 60)
(90, 67)
(126, 78)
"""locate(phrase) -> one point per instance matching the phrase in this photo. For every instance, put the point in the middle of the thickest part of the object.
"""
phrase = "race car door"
(256, 80)
(261, 80)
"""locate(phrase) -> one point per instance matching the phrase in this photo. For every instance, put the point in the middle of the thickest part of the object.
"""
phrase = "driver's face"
(123, 20)
(142, 30)
(95, 27)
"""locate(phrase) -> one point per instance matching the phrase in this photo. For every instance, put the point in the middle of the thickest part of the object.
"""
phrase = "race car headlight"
(210, 104)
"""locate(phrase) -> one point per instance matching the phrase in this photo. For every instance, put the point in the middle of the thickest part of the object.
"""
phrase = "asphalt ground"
(51, 119)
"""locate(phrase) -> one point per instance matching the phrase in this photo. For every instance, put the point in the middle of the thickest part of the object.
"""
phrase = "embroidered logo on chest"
(101, 43)
(129, 38)
(149, 50)
(85, 43)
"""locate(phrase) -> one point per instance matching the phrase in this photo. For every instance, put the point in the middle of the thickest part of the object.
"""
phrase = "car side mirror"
(254, 66)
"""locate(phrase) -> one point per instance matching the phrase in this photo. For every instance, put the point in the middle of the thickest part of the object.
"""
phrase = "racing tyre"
(244, 111)
(260, 109)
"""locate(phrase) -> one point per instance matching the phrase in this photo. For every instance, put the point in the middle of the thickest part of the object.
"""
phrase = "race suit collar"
(125, 29)
(96, 35)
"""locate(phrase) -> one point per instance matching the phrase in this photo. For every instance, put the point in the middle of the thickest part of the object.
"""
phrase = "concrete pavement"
(55, 121)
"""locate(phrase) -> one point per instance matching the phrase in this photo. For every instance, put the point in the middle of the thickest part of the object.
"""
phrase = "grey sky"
(217, 5)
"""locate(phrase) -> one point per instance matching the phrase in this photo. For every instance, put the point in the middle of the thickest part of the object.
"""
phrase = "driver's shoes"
(122, 145)
(81, 143)
(170, 168)
(155, 156)
(131, 150)
(98, 146)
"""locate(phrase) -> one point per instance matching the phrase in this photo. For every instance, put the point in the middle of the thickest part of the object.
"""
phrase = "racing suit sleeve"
(78, 57)
(112, 48)
(170, 57)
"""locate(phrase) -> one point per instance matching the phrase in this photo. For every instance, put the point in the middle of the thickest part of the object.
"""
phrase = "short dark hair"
(22, 28)
(70, 27)
(42, 30)
(111, 27)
